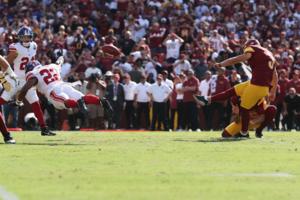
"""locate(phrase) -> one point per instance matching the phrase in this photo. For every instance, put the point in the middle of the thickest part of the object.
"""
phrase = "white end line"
(5, 195)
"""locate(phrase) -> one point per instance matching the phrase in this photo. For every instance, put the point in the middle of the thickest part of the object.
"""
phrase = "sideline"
(5, 195)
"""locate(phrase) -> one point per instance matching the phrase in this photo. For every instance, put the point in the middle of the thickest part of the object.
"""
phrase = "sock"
(245, 119)
(2, 101)
(270, 113)
(36, 108)
(71, 103)
(223, 95)
(3, 127)
(91, 99)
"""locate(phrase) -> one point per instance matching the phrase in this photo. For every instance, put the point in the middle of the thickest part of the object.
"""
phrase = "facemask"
(26, 44)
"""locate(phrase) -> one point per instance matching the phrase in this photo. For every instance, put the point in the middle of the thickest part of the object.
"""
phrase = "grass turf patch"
(151, 165)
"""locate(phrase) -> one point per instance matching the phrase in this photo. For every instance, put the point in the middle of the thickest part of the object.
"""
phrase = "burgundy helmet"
(251, 42)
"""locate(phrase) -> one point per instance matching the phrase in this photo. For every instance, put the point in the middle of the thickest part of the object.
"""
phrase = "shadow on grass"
(213, 140)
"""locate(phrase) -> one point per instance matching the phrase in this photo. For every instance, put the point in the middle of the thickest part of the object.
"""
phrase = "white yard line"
(5, 195)
(279, 175)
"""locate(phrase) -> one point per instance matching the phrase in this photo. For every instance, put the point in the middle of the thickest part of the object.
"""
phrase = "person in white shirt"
(173, 43)
(141, 102)
(205, 84)
(179, 102)
(181, 65)
(123, 65)
(216, 41)
(159, 94)
(129, 91)
(170, 84)
(167, 81)
(92, 70)
(204, 89)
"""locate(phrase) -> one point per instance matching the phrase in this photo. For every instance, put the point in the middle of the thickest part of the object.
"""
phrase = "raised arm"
(234, 60)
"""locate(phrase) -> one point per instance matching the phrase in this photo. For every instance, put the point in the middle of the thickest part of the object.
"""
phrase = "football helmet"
(25, 36)
(31, 65)
(251, 42)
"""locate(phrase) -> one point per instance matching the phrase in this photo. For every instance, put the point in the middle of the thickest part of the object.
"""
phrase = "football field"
(150, 166)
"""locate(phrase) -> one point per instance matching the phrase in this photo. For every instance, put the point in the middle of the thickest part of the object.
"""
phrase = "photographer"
(291, 107)
(96, 87)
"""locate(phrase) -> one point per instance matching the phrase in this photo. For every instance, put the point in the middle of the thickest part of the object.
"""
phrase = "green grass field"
(151, 166)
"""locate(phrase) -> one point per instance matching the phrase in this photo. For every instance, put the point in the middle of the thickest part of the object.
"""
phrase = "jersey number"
(271, 64)
(24, 62)
(50, 77)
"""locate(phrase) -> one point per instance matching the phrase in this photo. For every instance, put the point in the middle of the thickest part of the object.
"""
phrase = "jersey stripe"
(248, 50)
(29, 76)
(57, 98)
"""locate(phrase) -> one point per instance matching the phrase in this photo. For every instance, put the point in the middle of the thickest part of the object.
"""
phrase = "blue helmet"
(31, 65)
(25, 35)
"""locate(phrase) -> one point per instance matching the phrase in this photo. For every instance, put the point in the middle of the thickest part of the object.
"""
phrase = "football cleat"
(46, 132)
(9, 140)
(201, 100)
(258, 134)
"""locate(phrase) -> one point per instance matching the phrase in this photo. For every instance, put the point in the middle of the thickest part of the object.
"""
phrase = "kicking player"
(264, 76)
(19, 54)
(62, 95)
(261, 115)
(6, 86)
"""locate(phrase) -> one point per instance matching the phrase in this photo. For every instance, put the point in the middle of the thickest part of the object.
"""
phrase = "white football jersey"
(48, 77)
(24, 56)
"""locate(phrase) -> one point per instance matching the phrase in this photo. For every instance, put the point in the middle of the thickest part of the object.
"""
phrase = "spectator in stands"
(295, 82)
(156, 37)
(216, 41)
(141, 102)
(137, 71)
(127, 43)
(123, 65)
(172, 43)
(92, 69)
(159, 94)
(129, 90)
(182, 65)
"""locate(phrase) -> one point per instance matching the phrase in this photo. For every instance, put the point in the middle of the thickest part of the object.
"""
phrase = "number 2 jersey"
(24, 56)
(48, 77)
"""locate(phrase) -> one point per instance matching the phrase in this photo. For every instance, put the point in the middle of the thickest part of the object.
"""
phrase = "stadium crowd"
(144, 54)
